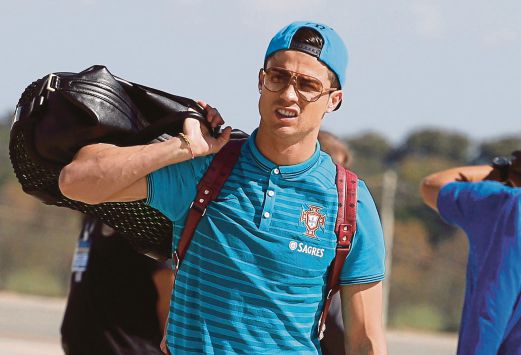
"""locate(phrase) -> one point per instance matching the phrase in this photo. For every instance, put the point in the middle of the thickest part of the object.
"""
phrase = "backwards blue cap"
(333, 52)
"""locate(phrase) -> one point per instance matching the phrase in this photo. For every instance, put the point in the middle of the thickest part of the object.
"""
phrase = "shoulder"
(461, 203)
(363, 191)
(326, 166)
(193, 167)
(322, 173)
(478, 191)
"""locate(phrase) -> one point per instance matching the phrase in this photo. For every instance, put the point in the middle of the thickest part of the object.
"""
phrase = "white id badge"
(81, 253)
(81, 256)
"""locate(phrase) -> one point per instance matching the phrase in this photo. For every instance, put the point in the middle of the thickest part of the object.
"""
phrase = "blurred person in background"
(337, 150)
(118, 299)
(485, 201)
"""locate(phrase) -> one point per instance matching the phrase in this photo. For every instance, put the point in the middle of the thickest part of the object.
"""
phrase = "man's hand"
(201, 141)
(108, 173)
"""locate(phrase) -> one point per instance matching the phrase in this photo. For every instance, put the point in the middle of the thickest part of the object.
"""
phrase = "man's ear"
(334, 100)
(259, 83)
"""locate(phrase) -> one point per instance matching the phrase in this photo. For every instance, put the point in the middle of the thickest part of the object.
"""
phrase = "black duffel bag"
(62, 112)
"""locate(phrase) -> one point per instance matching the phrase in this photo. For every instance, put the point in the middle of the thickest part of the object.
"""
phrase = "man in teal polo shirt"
(253, 278)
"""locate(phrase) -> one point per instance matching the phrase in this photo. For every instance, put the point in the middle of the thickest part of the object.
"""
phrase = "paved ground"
(30, 326)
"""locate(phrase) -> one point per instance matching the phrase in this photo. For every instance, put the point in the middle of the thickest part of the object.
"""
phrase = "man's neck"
(285, 150)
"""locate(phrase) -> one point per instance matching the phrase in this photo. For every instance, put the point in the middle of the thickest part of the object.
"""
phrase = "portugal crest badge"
(313, 220)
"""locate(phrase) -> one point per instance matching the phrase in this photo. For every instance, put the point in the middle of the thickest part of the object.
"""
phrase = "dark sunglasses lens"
(276, 79)
(309, 88)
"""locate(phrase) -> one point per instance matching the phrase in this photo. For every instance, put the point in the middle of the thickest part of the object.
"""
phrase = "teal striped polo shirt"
(253, 278)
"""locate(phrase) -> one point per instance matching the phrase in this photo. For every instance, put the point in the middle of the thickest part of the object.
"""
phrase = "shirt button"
(271, 193)
(276, 171)
(266, 215)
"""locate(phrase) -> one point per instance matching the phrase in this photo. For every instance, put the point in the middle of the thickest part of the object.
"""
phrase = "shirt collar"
(287, 171)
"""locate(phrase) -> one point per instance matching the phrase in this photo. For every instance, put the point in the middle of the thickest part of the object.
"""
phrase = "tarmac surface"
(30, 325)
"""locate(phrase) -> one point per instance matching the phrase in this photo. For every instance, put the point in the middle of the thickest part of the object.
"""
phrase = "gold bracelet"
(185, 139)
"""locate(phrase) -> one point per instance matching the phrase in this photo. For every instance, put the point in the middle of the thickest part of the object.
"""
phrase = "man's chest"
(276, 220)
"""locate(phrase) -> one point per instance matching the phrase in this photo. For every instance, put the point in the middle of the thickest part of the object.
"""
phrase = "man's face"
(285, 113)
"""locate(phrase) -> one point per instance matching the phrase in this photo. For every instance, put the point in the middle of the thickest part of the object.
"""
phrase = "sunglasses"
(308, 88)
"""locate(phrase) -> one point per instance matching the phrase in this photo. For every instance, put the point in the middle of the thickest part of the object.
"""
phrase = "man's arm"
(104, 172)
(362, 314)
(164, 281)
(432, 184)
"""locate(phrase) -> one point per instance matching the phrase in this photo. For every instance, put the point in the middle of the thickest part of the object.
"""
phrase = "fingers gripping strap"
(345, 227)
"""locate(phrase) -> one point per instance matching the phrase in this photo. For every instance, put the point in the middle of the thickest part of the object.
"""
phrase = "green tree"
(499, 146)
(435, 142)
(369, 151)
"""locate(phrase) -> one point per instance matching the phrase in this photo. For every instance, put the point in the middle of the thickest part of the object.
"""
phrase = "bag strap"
(171, 122)
(345, 227)
(207, 190)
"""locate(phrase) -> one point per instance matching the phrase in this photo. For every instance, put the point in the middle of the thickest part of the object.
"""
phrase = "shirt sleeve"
(172, 189)
(452, 202)
(464, 204)
(366, 261)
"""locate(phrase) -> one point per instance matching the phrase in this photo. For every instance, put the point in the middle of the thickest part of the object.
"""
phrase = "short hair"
(310, 36)
(335, 147)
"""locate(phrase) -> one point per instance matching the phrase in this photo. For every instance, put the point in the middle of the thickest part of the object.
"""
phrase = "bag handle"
(173, 121)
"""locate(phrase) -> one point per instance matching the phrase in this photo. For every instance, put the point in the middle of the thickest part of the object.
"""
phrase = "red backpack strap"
(207, 190)
(345, 227)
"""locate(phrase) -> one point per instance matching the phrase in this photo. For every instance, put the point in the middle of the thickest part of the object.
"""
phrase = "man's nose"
(290, 91)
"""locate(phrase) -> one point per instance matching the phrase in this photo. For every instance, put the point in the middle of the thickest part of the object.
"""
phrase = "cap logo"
(317, 25)
(306, 48)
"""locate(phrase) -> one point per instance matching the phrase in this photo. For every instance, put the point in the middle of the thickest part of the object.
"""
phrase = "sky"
(412, 63)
